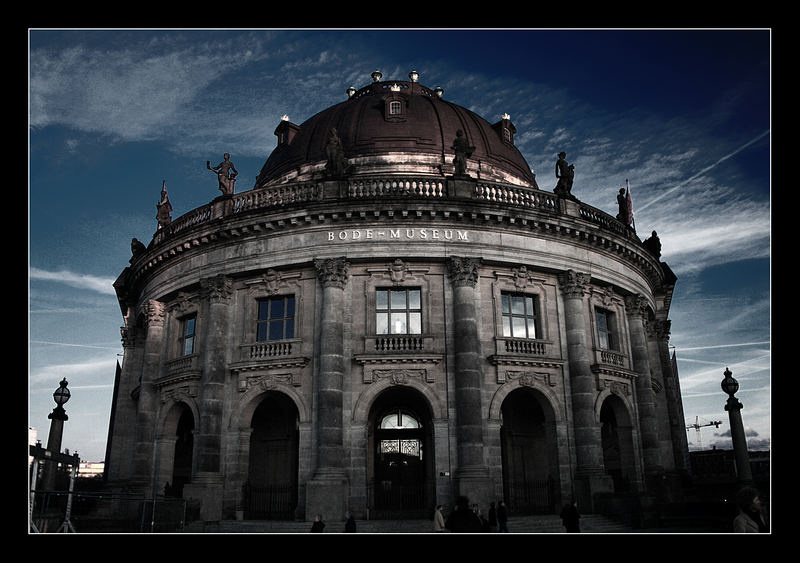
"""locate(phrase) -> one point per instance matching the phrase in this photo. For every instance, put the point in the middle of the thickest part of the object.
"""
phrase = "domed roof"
(395, 127)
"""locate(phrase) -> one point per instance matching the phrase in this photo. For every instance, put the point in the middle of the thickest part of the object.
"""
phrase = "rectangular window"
(395, 108)
(398, 311)
(275, 318)
(188, 335)
(520, 315)
(605, 329)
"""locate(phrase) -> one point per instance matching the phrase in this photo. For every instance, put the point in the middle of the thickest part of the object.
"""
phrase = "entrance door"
(527, 447)
(182, 461)
(271, 490)
(401, 460)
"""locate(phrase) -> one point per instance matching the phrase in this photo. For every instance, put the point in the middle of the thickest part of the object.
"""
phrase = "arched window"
(399, 420)
(394, 427)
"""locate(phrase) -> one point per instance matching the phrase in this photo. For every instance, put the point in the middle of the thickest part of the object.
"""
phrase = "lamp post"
(57, 419)
(734, 408)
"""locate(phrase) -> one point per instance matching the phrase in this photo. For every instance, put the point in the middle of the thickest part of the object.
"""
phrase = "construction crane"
(697, 426)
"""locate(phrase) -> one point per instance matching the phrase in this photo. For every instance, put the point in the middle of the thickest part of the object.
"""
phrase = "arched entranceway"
(529, 453)
(271, 488)
(183, 453)
(400, 455)
(616, 434)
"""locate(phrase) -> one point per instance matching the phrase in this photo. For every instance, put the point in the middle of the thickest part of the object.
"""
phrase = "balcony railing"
(275, 197)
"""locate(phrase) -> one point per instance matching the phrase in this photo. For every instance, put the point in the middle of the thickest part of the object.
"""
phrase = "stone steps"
(543, 524)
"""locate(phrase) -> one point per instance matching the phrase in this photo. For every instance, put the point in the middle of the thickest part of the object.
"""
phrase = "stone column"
(677, 424)
(472, 474)
(147, 399)
(590, 476)
(635, 307)
(207, 481)
(327, 491)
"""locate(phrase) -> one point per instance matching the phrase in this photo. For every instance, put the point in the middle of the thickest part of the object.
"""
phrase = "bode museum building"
(394, 315)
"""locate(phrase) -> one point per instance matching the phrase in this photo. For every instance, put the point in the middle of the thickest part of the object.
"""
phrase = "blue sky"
(683, 115)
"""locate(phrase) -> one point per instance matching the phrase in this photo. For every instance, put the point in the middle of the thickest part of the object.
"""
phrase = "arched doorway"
(529, 453)
(616, 437)
(270, 492)
(400, 442)
(182, 459)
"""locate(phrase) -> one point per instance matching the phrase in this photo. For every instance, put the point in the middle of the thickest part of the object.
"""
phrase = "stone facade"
(220, 404)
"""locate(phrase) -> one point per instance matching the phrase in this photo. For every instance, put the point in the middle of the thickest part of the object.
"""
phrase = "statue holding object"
(226, 173)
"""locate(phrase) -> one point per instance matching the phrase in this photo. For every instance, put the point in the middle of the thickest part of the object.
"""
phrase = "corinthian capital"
(154, 313)
(573, 284)
(333, 272)
(636, 305)
(463, 271)
(218, 289)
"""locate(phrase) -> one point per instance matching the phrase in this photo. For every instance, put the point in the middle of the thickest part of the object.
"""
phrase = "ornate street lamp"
(57, 418)
(734, 408)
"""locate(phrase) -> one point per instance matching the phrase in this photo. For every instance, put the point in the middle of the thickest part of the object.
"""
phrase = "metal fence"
(274, 502)
(530, 496)
(62, 511)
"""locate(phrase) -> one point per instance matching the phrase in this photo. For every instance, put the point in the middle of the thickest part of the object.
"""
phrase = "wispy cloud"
(80, 281)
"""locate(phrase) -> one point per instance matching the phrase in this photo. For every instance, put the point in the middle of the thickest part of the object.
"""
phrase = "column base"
(206, 489)
(586, 486)
(475, 484)
(327, 495)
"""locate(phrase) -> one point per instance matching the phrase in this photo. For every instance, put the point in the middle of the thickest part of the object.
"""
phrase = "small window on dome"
(395, 108)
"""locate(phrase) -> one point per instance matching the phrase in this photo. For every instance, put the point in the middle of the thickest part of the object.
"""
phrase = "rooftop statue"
(463, 152)
(164, 208)
(653, 244)
(566, 174)
(622, 203)
(337, 163)
(226, 173)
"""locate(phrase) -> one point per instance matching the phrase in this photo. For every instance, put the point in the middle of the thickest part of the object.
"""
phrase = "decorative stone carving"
(333, 272)
(397, 271)
(265, 382)
(400, 376)
(463, 271)
(573, 284)
(527, 378)
(521, 277)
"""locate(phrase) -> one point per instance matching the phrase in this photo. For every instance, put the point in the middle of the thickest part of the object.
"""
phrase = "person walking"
(502, 517)
(751, 516)
(438, 519)
(570, 517)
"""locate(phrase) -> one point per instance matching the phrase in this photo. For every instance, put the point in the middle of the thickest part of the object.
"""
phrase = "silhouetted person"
(570, 517)
(751, 517)
(349, 523)
(502, 517)
(318, 524)
(463, 519)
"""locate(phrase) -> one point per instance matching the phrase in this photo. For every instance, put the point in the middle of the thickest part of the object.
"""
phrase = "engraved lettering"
(423, 234)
